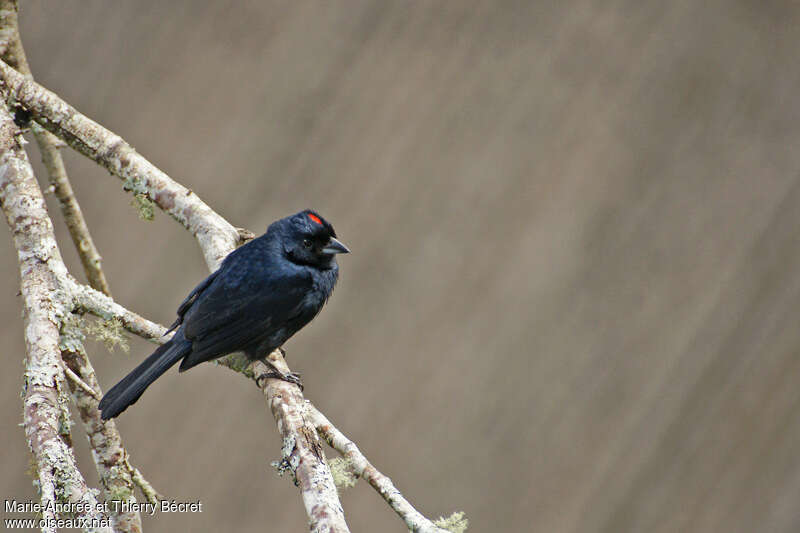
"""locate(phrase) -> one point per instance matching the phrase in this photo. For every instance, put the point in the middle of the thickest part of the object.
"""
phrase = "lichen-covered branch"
(110, 458)
(217, 237)
(89, 300)
(45, 303)
(150, 494)
(363, 468)
(302, 451)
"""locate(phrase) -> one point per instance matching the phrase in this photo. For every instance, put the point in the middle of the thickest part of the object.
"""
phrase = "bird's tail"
(127, 391)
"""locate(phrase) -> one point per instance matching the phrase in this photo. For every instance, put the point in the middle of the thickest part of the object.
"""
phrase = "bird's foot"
(290, 377)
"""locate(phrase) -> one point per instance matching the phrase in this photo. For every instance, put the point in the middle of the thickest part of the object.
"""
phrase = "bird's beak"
(335, 246)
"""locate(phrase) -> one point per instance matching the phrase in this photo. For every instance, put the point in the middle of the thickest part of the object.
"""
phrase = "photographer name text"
(109, 506)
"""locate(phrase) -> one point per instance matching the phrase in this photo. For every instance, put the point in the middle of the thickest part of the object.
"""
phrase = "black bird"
(263, 293)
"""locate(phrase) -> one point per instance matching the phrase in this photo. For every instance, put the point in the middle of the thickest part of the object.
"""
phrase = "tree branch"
(78, 381)
(302, 451)
(363, 468)
(110, 458)
(89, 300)
(45, 302)
(150, 494)
(105, 441)
(217, 238)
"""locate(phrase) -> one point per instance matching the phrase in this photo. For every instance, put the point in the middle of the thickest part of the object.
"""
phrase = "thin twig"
(76, 379)
(73, 216)
(150, 494)
(363, 468)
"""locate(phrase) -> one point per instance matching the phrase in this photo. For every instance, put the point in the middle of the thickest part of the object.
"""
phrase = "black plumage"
(262, 294)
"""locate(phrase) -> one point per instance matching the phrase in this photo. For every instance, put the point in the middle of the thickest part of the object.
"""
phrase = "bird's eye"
(307, 243)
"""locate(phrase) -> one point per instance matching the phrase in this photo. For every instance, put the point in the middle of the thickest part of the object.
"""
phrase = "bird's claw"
(294, 377)
(291, 377)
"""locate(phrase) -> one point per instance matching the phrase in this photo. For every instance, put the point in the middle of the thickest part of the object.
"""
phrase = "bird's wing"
(189, 300)
(241, 307)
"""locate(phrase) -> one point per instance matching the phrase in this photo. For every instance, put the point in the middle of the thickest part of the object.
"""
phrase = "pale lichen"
(289, 460)
(144, 206)
(134, 184)
(341, 470)
(118, 482)
(456, 522)
(120, 493)
(141, 201)
(238, 362)
(72, 336)
(109, 332)
(65, 422)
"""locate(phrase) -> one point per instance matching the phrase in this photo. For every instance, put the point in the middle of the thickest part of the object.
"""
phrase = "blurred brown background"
(573, 299)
